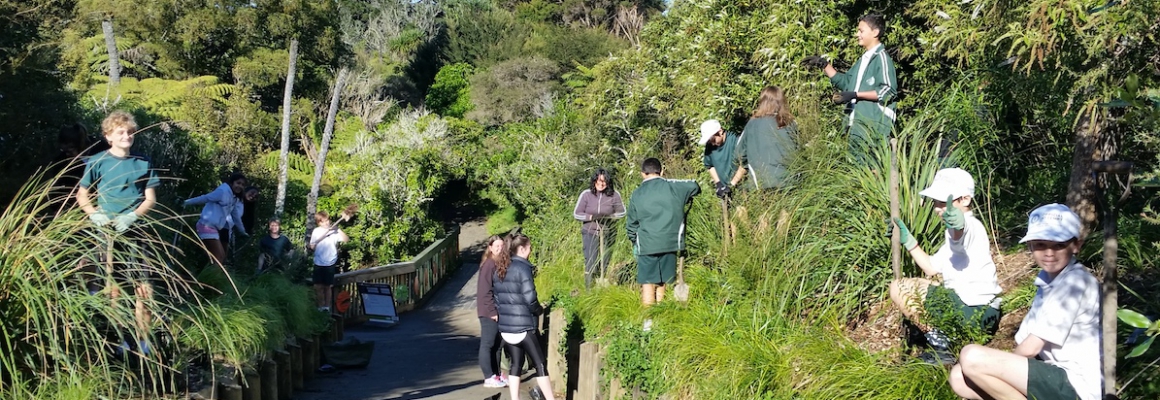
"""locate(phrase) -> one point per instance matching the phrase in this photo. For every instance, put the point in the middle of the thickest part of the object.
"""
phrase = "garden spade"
(727, 231)
(681, 289)
(601, 278)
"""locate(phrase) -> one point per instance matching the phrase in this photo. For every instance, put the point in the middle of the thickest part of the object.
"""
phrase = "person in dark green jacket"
(656, 227)
(766, 146)
(868, 89)
(719, 157)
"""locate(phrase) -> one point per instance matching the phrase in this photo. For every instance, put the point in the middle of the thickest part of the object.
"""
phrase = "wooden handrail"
(418, 276)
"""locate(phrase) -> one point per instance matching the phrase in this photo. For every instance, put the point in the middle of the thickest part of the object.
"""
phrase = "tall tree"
(327, 134)
(111, 47)
(284, 157)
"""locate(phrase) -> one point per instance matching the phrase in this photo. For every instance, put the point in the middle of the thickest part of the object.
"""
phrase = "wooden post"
(295, 365)
(230, 392)
(615, 390)
(252, 384)
(588, 382)
(338, 327)
(556, 361)
(285, 388)
(269, 379)
(895, 212)
(307, 358)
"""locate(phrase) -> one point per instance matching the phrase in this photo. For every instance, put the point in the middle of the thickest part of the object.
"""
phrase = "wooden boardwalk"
(430, 354)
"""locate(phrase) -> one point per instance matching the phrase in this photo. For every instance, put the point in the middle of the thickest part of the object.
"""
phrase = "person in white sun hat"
(718, 157)
(1058, 351)
(963, 261)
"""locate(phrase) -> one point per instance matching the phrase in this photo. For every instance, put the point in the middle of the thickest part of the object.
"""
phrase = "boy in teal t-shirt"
(125, 186)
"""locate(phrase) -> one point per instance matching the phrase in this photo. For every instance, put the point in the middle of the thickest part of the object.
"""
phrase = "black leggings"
(531, 345)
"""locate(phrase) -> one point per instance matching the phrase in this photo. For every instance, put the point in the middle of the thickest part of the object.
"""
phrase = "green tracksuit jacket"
(656, 214)
(869, 121)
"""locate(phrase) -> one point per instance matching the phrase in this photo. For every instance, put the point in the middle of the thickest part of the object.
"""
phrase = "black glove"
(721, 188)
(845, 97)
(818, 62)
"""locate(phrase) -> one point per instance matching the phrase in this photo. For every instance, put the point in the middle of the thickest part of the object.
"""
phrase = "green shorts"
(1046, 381)
(984, 316)
(656, 268)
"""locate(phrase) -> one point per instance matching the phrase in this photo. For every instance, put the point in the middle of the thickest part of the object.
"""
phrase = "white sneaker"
(493, 382)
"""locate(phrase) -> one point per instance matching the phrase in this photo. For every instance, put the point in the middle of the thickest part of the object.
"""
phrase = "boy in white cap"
(964, 262)
(1058, 351)
(718, 157)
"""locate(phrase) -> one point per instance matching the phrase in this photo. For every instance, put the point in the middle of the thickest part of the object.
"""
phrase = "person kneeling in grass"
(1058, 351)
(964, 261)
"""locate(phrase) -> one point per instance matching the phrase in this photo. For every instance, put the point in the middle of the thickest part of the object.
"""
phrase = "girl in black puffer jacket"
(518, 306)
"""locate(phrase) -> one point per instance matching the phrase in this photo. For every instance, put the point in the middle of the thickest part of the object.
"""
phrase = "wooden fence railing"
(411, 281)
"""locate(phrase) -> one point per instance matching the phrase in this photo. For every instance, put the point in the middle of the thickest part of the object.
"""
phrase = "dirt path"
(431, 354)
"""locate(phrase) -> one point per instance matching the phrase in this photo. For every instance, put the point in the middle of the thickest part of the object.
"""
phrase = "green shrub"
(502, 221)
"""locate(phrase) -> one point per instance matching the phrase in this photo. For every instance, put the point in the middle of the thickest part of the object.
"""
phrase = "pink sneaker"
(494, 382)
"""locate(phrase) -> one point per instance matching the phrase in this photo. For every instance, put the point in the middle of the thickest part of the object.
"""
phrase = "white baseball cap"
(708, 129)
(950, 182)
(1053, 223)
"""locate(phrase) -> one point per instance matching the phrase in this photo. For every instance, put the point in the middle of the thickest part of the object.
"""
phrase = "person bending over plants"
(1057, 355)
(596, 208)
(969, 285)
(515, 298)
(125, 185)
(766, 144)
(718, 159)
(656, 227)
(222, 211)
(868, 89)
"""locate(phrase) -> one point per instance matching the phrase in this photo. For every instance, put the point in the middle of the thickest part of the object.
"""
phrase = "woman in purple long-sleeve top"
(596, 207)
(489, 346)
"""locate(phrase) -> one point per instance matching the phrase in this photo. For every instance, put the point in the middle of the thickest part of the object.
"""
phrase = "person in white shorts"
(1058, 351)
(964, 262)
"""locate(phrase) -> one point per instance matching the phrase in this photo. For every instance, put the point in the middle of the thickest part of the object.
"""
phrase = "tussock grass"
(767, 319)
(57, 339)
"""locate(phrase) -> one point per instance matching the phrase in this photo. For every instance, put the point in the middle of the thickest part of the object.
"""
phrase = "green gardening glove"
(99, 218)
(953, 216)
(124, 221)
(908, 240)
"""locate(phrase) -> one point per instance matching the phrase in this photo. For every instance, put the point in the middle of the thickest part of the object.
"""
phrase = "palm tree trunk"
(284, 159)
(114, 57)
(320, 163)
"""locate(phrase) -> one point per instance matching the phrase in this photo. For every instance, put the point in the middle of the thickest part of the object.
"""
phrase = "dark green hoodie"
(656, 214)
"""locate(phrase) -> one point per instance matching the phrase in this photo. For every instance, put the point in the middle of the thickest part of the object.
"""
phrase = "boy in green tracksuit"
(719, 158)
(656, 227)
(125, 185)
(868, 90)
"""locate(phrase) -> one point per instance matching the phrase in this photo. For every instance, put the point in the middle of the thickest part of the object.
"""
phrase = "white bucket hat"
(950, 182)
(1053, 223)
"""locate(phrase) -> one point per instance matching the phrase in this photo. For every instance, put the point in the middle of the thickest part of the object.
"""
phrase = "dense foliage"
(520, 101)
